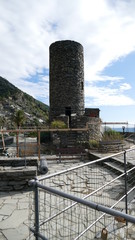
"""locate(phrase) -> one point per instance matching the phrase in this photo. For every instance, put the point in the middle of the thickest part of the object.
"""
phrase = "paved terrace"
(14, 207)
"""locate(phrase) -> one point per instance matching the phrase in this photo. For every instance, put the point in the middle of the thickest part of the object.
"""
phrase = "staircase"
(117, 165)
(71, 139)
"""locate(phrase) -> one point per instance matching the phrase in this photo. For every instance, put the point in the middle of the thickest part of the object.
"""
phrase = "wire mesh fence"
(20, 145)
(108, 181)
(98, 182)
(33, 142)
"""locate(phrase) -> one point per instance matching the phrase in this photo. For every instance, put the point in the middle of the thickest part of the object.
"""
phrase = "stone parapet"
(19, 162)
(15, 173)
(94, 128)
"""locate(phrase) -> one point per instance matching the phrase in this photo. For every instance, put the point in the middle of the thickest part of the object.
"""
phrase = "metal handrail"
(85, 197)
(90, 204)
(105, 210)
(102, 216)
(84, 164)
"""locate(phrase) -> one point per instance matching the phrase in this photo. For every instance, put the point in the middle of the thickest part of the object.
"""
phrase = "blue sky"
(121, 111)
(105, 28)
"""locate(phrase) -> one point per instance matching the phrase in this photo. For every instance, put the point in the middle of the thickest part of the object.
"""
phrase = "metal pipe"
(25, 149)
(17, 144)
(92, 224)
(77, 167)
(39, 234)
(88, 203)
(125, 171)
(38, 144)
(72, 205)
(90, 194)
(83, 165)
(36, 211)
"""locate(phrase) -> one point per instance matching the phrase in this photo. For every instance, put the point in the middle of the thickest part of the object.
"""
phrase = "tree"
(19, 118)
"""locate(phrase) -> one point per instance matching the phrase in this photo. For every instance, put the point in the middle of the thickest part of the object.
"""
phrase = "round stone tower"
(66, 79)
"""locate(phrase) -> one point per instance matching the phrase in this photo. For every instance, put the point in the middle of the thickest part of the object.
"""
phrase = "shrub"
(58, 124)
(32, 134)
(110, 134)
(93, 144)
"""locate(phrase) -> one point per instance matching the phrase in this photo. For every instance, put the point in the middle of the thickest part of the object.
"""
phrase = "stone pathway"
(14, 211)
(14, 215)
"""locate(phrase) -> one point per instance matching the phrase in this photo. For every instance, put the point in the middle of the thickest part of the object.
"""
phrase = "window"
(82, 86)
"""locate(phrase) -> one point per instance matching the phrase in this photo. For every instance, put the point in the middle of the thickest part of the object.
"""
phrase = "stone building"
(67, 89)
(66, 80)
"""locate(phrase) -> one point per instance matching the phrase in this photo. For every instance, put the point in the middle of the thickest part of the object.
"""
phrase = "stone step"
(114, 167)
(117, 165)
(17, 173)
(121, 161)
(119, 169)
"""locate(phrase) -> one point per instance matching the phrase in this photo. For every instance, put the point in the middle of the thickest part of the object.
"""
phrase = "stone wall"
(73, 137)
(94, 126)
(15, 173)
(70, 138)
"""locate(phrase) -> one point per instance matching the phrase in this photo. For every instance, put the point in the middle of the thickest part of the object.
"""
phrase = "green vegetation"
(19, 118)
(12, 98)
(2, 120)
(7, 89)
(93, 144)
(110, 135)
(58, 124)
(32, 134)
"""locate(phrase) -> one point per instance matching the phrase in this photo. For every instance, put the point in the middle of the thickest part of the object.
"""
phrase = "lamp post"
(123, 128)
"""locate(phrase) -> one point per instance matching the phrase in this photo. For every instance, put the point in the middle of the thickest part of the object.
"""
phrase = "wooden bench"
(114, 145)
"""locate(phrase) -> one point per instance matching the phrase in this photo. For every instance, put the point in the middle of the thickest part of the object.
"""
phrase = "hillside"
(13, 99)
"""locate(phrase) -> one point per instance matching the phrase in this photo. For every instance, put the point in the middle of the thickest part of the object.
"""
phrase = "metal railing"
(83, 201)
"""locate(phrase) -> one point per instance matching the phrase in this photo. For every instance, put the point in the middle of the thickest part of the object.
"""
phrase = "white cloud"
(104, 78)
(100, 96)
(125, 86)
(28, 27)
(39, 90)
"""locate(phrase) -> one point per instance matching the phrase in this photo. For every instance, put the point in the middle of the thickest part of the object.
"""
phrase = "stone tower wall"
(66, 78)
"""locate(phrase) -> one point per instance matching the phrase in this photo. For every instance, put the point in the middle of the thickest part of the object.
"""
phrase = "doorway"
(68, 113)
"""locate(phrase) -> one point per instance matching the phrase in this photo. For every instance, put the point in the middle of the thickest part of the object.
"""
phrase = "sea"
(132, 130)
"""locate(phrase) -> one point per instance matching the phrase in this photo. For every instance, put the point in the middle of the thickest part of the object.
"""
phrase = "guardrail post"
(38, 145)
(125, 171)
(59, 157)
(81, 157)
(36, 211)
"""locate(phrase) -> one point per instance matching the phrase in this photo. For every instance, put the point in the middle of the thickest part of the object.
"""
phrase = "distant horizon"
(120, 129)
